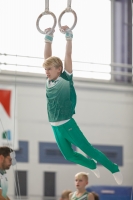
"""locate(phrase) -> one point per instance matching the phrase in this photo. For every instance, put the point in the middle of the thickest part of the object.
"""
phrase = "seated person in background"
(96, 196)
(65, 195)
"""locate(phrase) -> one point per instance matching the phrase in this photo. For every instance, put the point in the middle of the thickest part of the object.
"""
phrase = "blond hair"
(82, 174)
(55, 61)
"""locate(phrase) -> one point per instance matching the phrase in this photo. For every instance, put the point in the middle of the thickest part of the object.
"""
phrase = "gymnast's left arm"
(68, 52)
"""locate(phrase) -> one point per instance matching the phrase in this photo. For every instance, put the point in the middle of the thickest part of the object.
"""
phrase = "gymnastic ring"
(38, 19)
(75, 18)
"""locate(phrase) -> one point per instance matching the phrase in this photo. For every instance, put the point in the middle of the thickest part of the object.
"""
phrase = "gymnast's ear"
(1, 158)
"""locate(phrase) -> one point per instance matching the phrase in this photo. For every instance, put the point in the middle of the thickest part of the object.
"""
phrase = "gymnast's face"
(5, 162)
(52, 72)
(80, 182)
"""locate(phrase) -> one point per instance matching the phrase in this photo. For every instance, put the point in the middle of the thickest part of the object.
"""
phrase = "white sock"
(96, 172)
(118, 177)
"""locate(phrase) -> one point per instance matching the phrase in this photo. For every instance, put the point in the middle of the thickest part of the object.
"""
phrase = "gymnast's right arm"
(48, 43)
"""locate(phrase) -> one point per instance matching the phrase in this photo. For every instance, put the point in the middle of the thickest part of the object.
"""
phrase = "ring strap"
(46, 12)
(68, 9)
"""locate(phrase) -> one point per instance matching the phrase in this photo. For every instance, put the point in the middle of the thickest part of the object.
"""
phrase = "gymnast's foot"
(118, 177)
(96, 171)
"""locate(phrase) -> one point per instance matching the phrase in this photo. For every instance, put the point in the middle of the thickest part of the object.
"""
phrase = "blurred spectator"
(65, 195)
(81, 181)
(96, 196)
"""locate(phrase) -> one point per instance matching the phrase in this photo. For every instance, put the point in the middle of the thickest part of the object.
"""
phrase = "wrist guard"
(69, 35)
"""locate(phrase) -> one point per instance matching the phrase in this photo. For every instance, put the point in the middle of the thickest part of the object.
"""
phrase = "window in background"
(22, 155)
(50, 153)
(49, 184)
(114, 153)
(21, 189)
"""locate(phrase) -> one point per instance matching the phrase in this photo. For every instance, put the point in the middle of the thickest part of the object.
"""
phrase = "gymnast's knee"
(70, 157)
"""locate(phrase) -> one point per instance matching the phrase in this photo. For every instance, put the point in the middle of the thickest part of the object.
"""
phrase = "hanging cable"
(91, 71)
(87, 62)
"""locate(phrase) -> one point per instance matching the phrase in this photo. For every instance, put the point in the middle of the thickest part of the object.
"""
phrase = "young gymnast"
(81, 181)
(61, 103)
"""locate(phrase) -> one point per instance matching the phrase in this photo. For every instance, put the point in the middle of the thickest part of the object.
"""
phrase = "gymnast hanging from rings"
(61, 103)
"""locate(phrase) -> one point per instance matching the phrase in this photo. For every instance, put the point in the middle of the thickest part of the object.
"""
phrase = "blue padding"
(112, 192)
